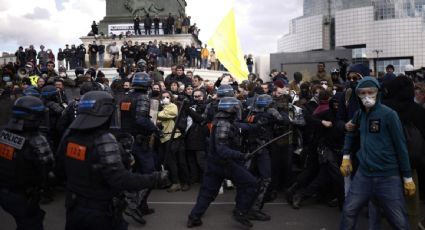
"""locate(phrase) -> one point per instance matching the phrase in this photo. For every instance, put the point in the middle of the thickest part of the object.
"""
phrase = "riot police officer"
(225, 160)
(94, 168)
(135, 119)
(265, 117)
(25, 159)
(50, 96)
(212, 107)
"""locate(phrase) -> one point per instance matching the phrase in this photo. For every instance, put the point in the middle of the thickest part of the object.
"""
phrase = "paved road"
(172, 210)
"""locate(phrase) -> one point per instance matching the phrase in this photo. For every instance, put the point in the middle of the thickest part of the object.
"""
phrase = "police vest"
(132, 107)
(34, 80)
(18, 163)
(82, 167)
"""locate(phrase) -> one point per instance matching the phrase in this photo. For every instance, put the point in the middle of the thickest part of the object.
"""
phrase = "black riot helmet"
(94, 110)
(141, 81)
(49, 92)
(27, 113)
(225, 91)
(141, 65)
(231, 105)
(263, 101)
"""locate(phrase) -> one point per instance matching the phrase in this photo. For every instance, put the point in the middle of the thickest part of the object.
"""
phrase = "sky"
(55, 23)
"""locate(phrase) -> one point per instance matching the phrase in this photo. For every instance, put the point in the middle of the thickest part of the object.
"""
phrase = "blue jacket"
(383, 150)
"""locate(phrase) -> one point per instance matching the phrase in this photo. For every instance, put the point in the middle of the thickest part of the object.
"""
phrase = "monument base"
(183, 39)
(111, 73)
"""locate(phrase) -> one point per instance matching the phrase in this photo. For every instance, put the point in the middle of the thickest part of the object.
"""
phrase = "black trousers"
(281, 161)
(329, 176)
(174, 159)
(27, 213)
(91, 215)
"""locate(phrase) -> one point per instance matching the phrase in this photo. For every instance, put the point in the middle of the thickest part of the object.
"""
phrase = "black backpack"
(415, 145)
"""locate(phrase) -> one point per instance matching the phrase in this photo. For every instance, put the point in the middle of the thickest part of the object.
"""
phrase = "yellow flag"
(225, 42)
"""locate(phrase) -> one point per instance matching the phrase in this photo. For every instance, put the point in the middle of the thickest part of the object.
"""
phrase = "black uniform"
(225, 161)
(95, 170)
(25, 159)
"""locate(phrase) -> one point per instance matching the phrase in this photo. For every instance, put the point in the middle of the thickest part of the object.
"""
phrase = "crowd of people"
(355, 140)
(162, 54)
(154, 26)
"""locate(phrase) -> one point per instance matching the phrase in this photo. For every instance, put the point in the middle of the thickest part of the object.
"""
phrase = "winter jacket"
(383, 150)
(167, 116)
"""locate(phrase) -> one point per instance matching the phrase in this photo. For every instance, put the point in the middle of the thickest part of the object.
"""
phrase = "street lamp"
(376, 61)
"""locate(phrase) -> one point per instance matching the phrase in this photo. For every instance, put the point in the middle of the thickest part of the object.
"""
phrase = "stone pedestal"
(183, 39)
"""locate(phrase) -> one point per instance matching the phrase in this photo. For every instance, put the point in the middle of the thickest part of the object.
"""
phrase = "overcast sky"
(57, 22)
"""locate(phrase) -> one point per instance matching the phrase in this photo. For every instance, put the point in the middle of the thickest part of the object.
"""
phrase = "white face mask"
(325, 86)
(165, 101)
(333, 92)
(369, 102)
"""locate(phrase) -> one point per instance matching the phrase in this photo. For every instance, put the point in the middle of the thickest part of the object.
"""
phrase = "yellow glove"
(346, 166)
(409, 187)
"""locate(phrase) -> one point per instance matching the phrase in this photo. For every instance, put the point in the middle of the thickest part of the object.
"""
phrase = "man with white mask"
(383, 160)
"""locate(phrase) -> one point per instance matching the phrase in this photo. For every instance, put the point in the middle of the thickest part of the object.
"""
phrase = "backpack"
(415, 145)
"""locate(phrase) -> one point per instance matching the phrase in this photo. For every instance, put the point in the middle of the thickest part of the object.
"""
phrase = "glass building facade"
(395, 27)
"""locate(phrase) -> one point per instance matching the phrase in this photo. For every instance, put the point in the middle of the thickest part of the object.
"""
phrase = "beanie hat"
(360, 69)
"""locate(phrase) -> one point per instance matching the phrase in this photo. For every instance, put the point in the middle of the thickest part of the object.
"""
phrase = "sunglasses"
(354, 78)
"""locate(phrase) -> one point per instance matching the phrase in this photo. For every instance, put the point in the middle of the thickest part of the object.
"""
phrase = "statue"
(146, 6)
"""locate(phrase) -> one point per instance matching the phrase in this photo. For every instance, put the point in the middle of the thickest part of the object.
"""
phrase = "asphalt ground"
(172, 209)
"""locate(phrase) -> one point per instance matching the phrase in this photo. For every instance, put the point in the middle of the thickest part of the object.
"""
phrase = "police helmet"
(141, 65)
(27, 112)
(225, 91)
(94, 110)
(230, 105)
(263, 101)
(49, 91)
(141, 81)
(31, 91)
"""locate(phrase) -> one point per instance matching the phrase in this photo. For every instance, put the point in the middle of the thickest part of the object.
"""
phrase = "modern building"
(379, 32)
(5, 58)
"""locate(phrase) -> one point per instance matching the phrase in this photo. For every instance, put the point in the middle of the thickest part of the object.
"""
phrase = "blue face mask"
(6, 78)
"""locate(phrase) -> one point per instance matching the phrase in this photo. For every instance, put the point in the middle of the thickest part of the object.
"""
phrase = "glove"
(346, 166)
(248, 156)
(409, 187)
(162, 179)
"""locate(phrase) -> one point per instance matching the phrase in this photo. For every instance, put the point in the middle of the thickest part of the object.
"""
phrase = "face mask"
(316, 96)
(6, 78)
(62, 75)
(325, 86)
(126, 90)
(369, 102)
(165, 101)
(333, 92)
(155, 93)
(417, 101)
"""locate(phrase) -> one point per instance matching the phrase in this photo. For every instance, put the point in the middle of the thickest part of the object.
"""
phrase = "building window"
(359, 53)
(399, 64)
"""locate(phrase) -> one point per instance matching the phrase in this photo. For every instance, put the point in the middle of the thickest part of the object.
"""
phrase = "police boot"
(296, 202)
(242, 218)
(135, 215)
(289, 193)
(193, 222)
(258, 215)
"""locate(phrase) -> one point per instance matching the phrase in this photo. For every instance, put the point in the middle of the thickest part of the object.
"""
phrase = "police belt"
(90, 203)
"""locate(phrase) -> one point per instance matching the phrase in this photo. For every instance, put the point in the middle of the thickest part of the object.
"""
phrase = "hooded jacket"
(383, 150)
